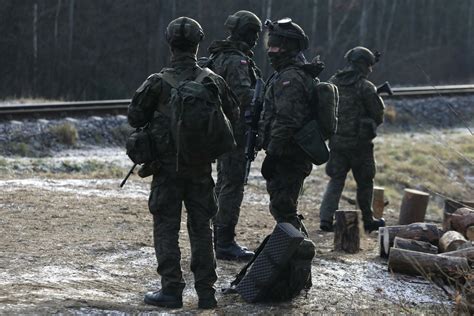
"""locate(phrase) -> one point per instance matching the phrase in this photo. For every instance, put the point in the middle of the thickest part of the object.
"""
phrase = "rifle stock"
(385, 88)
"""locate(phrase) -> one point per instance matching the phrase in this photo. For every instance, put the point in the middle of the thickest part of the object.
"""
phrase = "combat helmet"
(184, 32)
(286, 28)
(361, 54)
(241, 20)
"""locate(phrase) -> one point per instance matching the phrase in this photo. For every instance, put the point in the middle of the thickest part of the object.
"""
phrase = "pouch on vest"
(327, 96)
(367, 129)
(140, 146)
(312, 143)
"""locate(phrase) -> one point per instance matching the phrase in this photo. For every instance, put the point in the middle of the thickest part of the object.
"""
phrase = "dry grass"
(440, 164)
(66, 133)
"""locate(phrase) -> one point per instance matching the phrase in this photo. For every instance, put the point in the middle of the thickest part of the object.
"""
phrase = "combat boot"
(326, 226)
(207, 302)
(373, 224)
(158, 298)
(226, 246)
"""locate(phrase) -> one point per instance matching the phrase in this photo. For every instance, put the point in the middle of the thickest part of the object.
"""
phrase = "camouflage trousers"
(362, 163)
(230, 187)
(285, 180)
(168, 192)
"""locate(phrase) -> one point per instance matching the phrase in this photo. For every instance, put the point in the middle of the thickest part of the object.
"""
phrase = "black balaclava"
(290, 47)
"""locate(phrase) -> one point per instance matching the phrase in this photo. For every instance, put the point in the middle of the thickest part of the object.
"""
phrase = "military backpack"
(199, 128)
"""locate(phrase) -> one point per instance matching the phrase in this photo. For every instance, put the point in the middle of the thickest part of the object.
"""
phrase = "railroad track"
(82, 108)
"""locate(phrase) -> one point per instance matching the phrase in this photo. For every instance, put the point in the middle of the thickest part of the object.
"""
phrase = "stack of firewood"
(435, 253)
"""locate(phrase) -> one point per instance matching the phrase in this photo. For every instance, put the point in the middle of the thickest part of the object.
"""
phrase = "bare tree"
(314, 20)
(363, 22)
(35, 46)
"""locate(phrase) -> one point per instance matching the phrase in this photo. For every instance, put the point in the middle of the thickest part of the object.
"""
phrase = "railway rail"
(80, 108)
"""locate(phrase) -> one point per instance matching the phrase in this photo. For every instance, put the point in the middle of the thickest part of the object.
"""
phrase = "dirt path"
(84, 246)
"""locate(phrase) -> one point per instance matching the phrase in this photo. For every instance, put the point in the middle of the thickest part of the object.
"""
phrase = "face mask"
(279, 58)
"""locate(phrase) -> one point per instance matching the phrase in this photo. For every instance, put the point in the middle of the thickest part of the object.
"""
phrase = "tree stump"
(347, 231)
(378, 202)
(416, 231)
(452, 240)
(427, 265)
(413, 208)
(414, 245)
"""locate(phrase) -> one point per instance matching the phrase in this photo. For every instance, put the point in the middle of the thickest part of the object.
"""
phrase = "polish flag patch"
(243, 62)
(285, 83)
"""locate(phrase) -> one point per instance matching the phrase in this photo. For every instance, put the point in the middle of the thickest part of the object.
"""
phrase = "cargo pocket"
(158, 194)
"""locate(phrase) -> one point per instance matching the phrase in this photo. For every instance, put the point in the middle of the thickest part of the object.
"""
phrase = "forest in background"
(94, 50)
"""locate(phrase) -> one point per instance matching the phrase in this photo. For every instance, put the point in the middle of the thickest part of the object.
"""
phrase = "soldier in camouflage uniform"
(232, 59)
(286, 110)
(192, 185)
(360, 111)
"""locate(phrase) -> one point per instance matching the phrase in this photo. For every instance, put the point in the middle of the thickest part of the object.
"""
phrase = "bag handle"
(242, 272)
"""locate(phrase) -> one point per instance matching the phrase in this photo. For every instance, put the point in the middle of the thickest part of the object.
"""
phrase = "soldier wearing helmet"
(360, 112)
(192, 185)
(286, 110)
(232, 59)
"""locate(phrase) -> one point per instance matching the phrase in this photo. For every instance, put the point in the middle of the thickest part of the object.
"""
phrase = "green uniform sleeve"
(230, 105)
(291, 110)
(143, 103)
(373, 103)
(238, 78)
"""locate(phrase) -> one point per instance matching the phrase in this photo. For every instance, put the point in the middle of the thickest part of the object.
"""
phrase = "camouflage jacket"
(154, 94)
(286, 110)
(233, 61)
(360, 109)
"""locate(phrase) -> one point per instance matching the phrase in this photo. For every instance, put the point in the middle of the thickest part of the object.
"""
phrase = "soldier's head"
(184, 34)
(286, 36)
(362, 58)
(244, 26)
(286, 39)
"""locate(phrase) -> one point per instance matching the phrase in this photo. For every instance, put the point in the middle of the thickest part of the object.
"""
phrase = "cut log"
(414, 245)
(347, 231)
(470, 233)
(427, 265)
(467, 253)
(461, 220)
(416, 231)
(378, 202)
(452, 240)
(450, 206)
(413, 208)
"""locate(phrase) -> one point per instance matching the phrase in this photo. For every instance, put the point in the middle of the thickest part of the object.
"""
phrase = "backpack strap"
(203, 74)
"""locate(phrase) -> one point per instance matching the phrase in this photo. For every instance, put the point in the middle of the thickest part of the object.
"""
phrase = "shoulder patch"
(243, 62)
(286, 83)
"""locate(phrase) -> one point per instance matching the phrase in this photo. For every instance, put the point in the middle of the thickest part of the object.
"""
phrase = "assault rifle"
(385, 88)
(252, 116)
